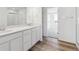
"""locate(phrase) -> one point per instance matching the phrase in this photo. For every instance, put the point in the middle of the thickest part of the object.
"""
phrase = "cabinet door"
(27, 39)
(4, 46)
(16, 44)
(34, 38)
(36, 35)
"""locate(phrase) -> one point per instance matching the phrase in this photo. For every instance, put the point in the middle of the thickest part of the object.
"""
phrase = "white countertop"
(10, 30)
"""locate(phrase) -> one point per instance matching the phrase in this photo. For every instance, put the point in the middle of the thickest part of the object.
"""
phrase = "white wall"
(77, 24)
(22, 15)
(37, 15)
(29, 16)
(34, 15)
(16, 16)
(3, 17)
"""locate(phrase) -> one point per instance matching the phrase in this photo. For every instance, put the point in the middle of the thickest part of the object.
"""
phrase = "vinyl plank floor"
(52, 44)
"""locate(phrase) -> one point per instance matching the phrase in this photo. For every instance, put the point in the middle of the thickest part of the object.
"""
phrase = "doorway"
(52, 22)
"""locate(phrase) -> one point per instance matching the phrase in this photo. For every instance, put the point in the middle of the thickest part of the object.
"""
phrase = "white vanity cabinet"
(4, 43)
(11, 42)
(31, 37)
(16, 42)
(27, 39)
(4, 46)
(36, 35)
(20, 40)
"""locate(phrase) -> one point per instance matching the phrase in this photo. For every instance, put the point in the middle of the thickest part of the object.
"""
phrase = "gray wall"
(44, 22)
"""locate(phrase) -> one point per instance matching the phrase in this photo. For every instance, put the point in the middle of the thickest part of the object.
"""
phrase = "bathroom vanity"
(20, 38)
(20, 28)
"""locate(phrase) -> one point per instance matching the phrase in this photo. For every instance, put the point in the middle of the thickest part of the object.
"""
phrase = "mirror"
(16, 16)
(3, 18)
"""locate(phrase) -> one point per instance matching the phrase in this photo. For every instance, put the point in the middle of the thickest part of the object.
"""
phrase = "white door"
(52, 22)
(67, 24)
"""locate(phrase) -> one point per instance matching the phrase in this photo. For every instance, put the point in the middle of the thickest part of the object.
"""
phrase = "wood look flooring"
(51, 44)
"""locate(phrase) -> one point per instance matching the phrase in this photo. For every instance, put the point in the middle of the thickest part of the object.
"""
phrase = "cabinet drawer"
(15, 35)
(9, 37)
(27, 36)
